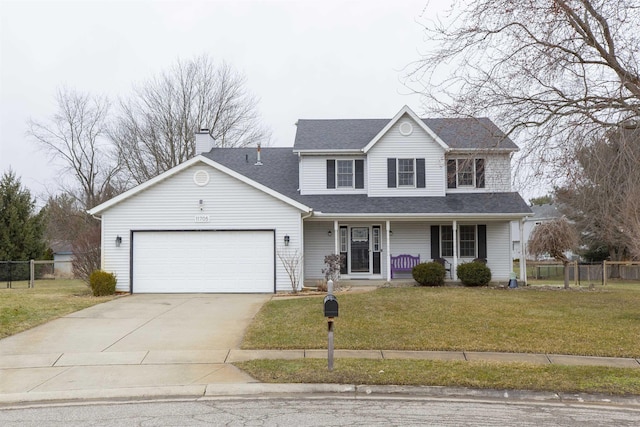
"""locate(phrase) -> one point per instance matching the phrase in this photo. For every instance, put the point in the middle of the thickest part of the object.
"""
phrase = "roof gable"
(185, 165)
(461, 134)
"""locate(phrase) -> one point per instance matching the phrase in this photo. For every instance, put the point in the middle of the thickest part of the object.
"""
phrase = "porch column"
(388, 257)
(336, 237)
(523, 254)
(455, 247)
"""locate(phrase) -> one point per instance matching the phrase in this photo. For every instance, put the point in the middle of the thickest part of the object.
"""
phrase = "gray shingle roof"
(279, 171)
(355, 134)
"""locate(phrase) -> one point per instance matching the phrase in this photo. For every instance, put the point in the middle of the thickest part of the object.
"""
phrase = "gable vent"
(406, 128)
(201, 178)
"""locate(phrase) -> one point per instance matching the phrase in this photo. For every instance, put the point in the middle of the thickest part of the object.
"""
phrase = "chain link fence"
(25, 273)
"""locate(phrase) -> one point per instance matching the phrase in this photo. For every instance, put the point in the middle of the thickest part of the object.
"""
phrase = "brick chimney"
(204, 141)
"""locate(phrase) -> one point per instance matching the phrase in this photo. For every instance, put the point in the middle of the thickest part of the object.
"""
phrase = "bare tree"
(75, 134)
(551, 71)
(602, 196)
(554, 238)
(155, 128)
(291, 260)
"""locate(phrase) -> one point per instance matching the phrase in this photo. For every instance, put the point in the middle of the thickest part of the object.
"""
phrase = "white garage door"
(203, 261)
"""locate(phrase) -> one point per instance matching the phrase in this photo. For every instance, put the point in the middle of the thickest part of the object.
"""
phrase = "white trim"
(198, 159)
(325, 151)
(441, 215)
(405, 110)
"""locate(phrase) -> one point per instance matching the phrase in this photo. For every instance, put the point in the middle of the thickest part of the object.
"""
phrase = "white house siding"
(499, 250)
(497, 174)
(317, 244)
(412, 238)
(173, 204)
(417, 145)
(313, 176)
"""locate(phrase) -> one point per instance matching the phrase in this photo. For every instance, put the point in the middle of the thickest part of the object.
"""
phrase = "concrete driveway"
(145, 340)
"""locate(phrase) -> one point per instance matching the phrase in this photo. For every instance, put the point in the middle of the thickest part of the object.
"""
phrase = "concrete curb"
(304, 391)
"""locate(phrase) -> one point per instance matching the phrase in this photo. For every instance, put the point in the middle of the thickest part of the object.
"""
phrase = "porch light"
(329, 233)
(390, 233)
(286, 240)
(118, 241)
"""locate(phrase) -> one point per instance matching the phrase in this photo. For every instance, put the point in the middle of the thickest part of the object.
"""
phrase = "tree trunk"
(566, 274)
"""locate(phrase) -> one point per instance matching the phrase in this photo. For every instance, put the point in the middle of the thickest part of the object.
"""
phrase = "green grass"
(483, 375)
(22, 308)
(601, 322)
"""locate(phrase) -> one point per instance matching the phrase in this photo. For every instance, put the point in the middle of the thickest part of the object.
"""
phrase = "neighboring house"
(368, 189)
(541, 213)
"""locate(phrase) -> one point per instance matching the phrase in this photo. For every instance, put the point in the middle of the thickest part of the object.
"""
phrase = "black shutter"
(435, 241)
(480, 173)
(482, 241)
(331, 174)
(391, 173)
(451, 173)
(359, 166)
(420, 180)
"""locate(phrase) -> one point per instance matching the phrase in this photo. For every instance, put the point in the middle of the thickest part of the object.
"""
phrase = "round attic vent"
(201, 178)
(406, 128)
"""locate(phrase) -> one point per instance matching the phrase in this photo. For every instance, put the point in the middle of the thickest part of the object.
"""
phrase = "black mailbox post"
(330, 306)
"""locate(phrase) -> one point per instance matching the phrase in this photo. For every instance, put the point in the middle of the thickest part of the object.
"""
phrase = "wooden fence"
(583, 272)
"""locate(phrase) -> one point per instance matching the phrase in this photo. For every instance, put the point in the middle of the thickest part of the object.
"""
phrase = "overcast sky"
(302, 59)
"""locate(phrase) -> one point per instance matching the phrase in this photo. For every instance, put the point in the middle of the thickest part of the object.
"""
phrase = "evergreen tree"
(21, 228)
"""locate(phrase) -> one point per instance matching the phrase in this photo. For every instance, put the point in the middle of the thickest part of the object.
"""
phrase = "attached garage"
(224, 261)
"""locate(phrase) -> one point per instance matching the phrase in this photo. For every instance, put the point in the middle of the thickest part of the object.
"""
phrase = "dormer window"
(465, 173)
(345, 174)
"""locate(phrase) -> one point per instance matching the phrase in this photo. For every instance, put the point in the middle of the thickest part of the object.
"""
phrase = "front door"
(360, 250)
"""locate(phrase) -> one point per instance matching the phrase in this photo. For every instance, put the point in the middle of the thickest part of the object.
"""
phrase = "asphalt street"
(322, 411)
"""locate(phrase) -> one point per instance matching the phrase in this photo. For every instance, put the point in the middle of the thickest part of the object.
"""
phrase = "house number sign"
(202, 218)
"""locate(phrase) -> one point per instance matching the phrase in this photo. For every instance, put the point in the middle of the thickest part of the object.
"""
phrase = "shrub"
(429, 274)
(102, 283)
(474, 274)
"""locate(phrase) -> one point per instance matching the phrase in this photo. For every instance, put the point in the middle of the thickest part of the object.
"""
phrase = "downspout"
(101, 240)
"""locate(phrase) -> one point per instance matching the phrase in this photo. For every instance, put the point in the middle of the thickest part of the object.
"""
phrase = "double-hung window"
(467, 241)
(407, 173)
(465, 173)
(471, 241)
(344, 173)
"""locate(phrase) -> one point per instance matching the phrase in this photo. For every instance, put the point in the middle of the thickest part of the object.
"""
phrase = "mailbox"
(330, 306)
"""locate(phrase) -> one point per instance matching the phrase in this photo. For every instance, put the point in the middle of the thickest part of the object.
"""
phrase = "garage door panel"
(203, 261)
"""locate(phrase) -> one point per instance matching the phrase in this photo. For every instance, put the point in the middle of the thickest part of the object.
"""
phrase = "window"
(446, 244)
(467, 241)
(376, 239)
(465, 173)
(344, 173)
(405, 172)
(344, 240)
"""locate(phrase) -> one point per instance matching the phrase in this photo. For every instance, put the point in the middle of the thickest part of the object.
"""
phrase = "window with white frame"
(465, 173)
(467, 241)
(344, 243)
(406, 175)
(344, 173)
(446, 241)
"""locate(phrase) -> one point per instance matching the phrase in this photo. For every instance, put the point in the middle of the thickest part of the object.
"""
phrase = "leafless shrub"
(554, 238)
(291, 260)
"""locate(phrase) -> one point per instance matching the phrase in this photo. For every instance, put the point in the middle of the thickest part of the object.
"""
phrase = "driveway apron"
(145, 340)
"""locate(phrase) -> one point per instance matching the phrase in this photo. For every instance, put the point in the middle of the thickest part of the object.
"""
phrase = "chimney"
(204, 141)
(258, 163)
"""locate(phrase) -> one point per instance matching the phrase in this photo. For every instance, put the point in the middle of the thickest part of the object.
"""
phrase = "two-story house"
(367, 189)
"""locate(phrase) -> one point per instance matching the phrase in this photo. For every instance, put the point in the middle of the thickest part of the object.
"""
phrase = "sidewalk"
(145, 374)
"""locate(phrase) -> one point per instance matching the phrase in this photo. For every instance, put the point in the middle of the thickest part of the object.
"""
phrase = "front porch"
(367, 246)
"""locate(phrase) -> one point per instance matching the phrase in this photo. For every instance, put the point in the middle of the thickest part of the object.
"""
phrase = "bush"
(474, 274)
(102, 283)
(429, 274)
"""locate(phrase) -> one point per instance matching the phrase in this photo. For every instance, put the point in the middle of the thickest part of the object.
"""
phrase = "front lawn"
(600, 322)
(22, 308)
